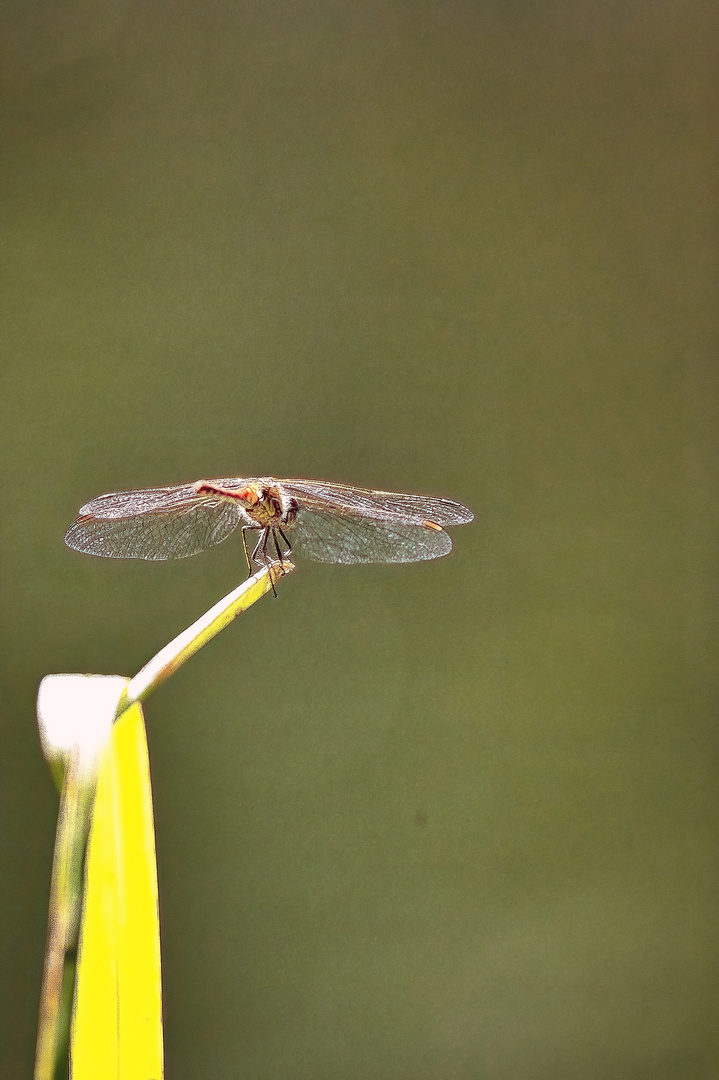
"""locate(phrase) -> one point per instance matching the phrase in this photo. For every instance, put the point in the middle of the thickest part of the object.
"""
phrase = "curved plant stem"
(190, 641)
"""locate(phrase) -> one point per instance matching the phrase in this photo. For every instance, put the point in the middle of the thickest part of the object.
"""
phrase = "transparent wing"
(382, 505)
(350, 538)
(153, 527)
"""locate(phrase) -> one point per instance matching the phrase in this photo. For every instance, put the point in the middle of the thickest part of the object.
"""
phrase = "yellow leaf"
(117, 1019)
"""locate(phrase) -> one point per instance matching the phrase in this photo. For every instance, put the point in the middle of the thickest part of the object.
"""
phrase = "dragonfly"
(329, 523)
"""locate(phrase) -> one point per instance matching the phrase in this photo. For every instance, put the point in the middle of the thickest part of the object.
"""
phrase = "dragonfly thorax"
(268, 505)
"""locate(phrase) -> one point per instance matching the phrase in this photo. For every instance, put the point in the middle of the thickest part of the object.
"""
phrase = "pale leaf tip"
(75, 712)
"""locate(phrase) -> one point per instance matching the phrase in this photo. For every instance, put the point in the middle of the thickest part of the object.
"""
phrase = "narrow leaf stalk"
(167, 661)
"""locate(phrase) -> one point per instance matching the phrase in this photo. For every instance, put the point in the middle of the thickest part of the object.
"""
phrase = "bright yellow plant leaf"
(117, 1019)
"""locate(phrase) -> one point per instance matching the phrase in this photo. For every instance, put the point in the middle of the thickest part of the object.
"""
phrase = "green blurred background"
(450, 821)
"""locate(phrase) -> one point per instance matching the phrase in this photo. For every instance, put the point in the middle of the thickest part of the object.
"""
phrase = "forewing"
(172, 530)
(381, 505)
(349, 538)
(122, 504)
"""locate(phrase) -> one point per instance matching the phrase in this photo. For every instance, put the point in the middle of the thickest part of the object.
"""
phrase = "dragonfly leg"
(260, 555)
(267, 558)
(277, 546)
(258, 549)
(289, 545)
(247, 554)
